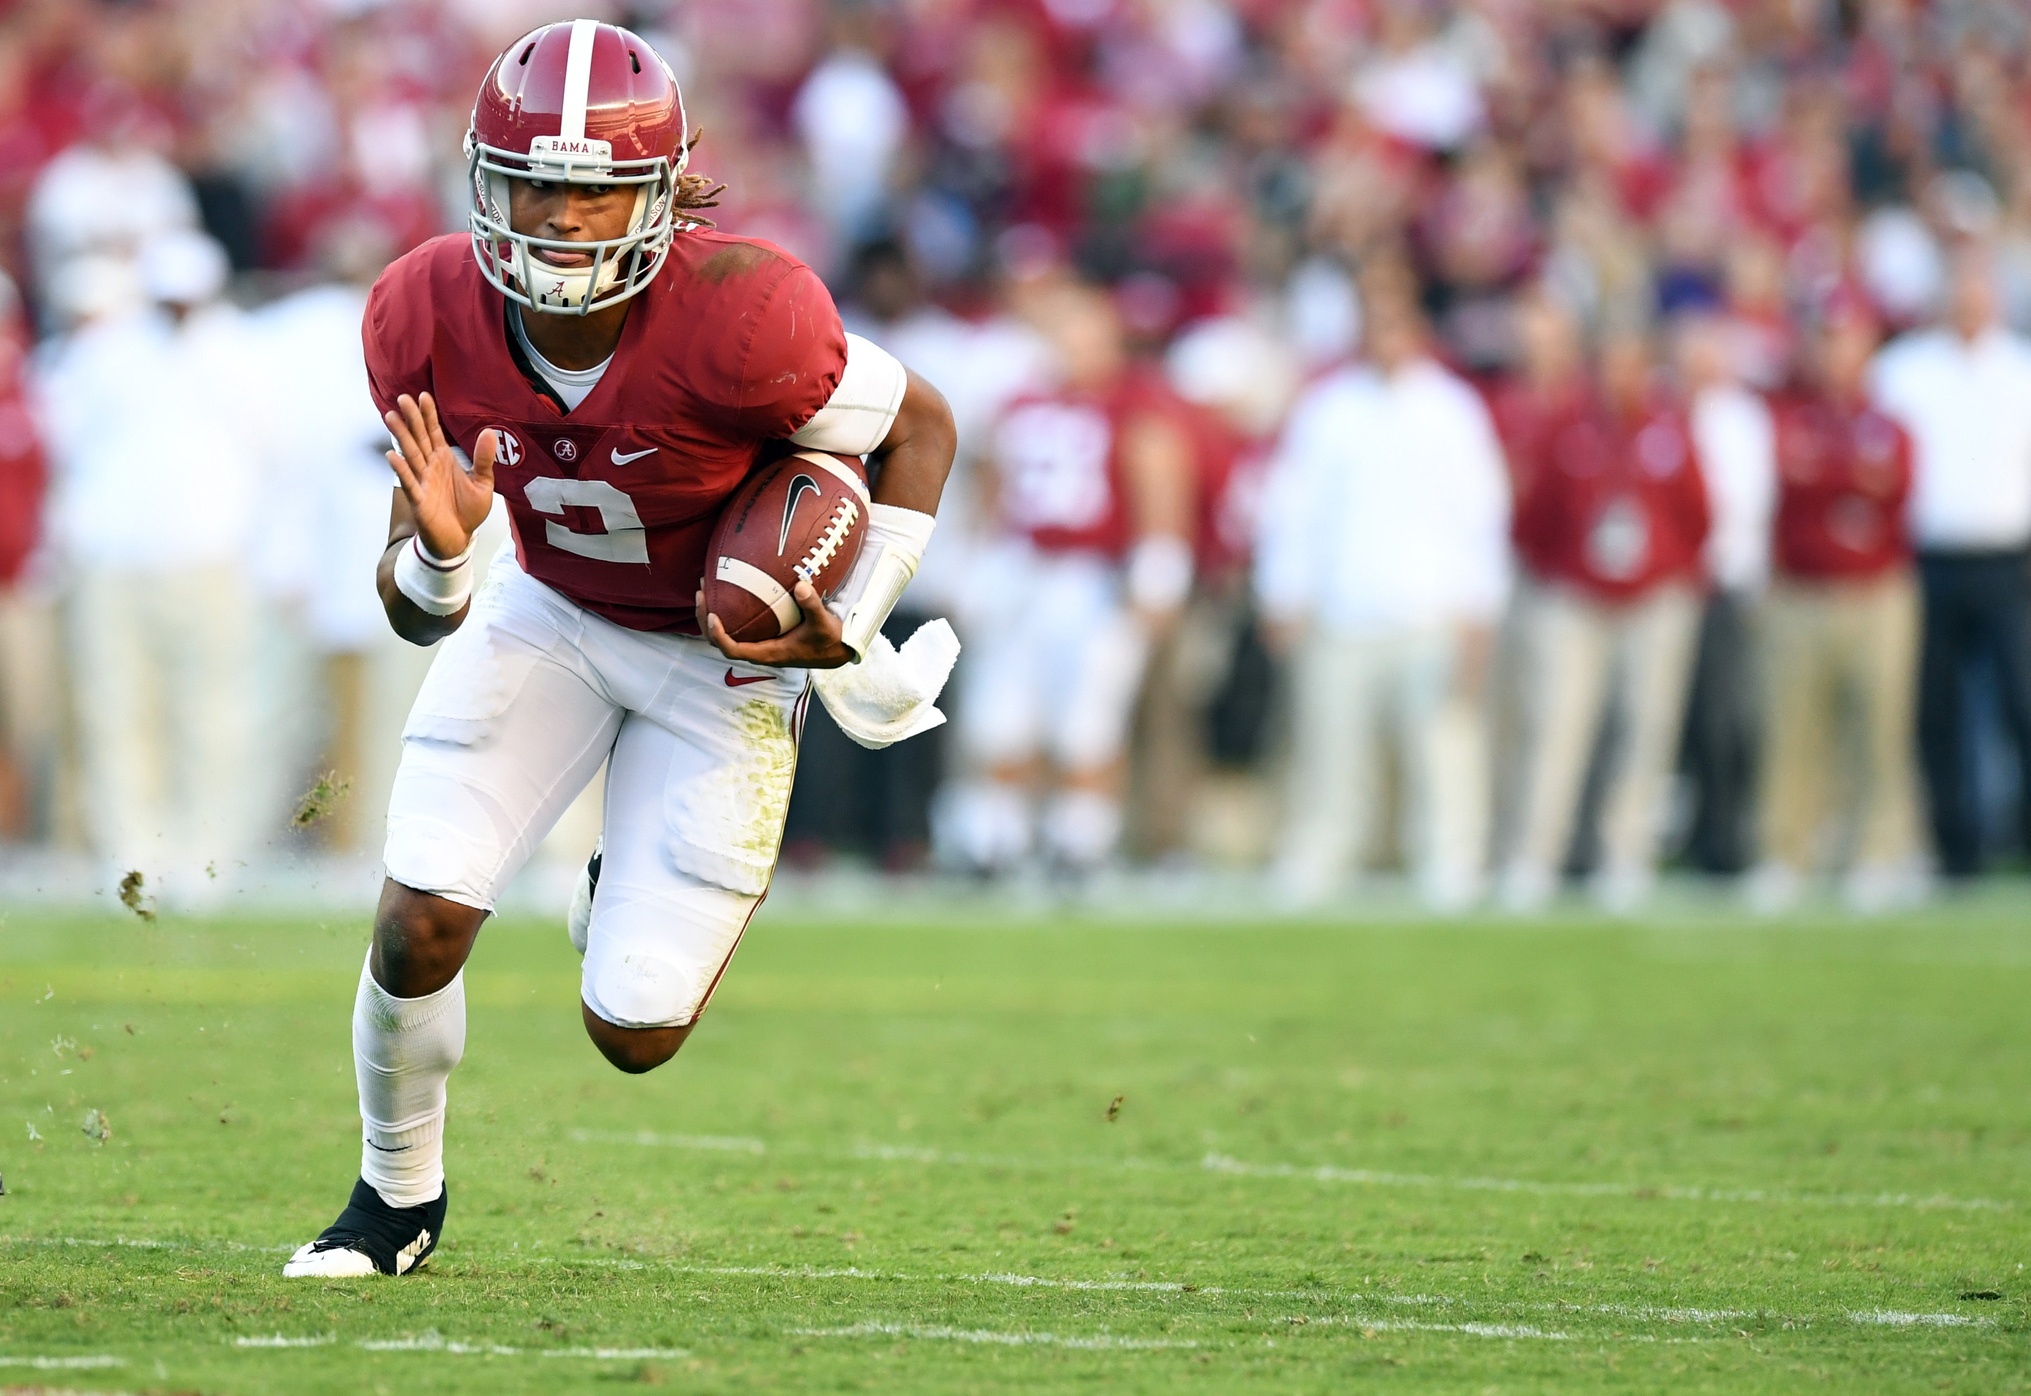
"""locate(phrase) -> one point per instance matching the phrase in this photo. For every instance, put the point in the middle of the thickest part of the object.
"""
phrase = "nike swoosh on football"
(799, 487)
(620, 459)
(744, 680)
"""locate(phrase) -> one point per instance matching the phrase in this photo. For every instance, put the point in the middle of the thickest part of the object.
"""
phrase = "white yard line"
(1327, 1173)
(65, 1364)
(935, 1333)
(1892, 1319)
(1641, 1312)
(433, 1341)
(1315, 1173)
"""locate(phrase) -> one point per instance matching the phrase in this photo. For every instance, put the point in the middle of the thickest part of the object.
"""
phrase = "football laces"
(822, 552)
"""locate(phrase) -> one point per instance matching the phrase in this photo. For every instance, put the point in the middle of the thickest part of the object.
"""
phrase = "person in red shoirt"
(1840, 629)
(1609, 522)
(613, 369)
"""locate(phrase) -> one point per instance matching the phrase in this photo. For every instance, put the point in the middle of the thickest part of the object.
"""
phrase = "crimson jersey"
(1843, 475)
(734, 346)
(1611, 503)
(1058, 465)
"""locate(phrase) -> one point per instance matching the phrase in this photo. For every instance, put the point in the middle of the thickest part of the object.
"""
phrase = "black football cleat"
(370, 1237)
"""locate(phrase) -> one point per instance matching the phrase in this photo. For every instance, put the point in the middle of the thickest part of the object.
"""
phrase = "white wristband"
(888, 558)
(437, 585)
(1159, 572)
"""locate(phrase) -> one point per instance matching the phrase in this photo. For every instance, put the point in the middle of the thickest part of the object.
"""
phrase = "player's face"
(562, 212)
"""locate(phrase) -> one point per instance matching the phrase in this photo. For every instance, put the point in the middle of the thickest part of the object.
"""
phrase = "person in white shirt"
(1736, 444)
(1382, 562)
(1963, 391)
(151, 517)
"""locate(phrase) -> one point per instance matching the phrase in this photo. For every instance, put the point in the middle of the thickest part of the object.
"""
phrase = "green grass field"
(1695, 1155)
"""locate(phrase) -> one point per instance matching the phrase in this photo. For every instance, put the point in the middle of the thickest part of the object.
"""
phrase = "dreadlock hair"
(697, 191)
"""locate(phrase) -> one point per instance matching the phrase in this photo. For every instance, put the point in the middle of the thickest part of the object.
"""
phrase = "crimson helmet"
(578, 102)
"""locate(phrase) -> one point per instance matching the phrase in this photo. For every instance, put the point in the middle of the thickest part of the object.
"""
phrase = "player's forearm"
(914, 459)
(409, 620)
(405, 617)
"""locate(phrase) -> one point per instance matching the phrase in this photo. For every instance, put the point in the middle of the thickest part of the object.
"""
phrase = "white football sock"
(403, 1052)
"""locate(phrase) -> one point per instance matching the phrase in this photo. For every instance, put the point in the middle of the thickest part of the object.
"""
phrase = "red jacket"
(24, 476)
(1843, 476)
(1608, 502)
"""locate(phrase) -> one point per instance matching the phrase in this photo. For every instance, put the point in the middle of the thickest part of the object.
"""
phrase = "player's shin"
(403, 1053)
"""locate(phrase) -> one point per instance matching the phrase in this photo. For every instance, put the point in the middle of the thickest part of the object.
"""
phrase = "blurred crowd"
(1503, 440)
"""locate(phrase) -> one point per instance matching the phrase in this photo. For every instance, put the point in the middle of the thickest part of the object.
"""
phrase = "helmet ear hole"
(524, 59)
(635, 59)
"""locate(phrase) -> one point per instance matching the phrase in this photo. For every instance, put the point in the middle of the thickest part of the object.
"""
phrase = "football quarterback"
(594, 353)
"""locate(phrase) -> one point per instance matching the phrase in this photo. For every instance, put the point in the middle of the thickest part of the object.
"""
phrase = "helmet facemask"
(620, 266)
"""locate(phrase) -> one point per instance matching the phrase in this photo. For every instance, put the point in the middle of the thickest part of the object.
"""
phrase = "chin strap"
(888, 559)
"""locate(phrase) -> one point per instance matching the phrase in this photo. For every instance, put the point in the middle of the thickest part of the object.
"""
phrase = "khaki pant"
(1572, 657)
(37, 797)
(1355, 698)
(161, 666)
(1840, 660)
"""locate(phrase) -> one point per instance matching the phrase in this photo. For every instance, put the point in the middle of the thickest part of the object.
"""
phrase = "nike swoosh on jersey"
(745, 679)
(620, 459)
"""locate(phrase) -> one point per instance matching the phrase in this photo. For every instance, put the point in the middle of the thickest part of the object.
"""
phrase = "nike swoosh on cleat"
(620, 459)
(746, 679)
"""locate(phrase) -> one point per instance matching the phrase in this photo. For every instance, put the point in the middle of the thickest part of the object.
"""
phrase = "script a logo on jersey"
(511, 449)
(800, 486)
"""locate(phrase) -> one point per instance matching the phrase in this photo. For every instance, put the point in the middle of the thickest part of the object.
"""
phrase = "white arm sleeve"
(857, 417)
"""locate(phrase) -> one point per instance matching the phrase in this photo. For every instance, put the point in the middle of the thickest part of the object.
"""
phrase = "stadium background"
(1226, 165)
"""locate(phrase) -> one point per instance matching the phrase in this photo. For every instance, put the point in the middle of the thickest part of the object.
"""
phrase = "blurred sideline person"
(336, 681)
(155, 483)
(1548, 385)
(30, 663)
(1235, 380)
(1092, 482)
(1611, 518)
(1381, 567)
(1840, 631)
(1963, 391)
(1733, 438)
(879, 802)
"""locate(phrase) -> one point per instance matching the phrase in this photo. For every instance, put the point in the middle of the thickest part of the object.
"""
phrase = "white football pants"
(522, 705)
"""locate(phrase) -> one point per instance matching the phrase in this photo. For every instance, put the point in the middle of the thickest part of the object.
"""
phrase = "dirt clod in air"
(98, 1127)
(323, 796)
(1114, 1108)
(134, 898)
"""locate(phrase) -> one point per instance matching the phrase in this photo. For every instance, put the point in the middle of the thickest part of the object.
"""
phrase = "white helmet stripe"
(577, 77)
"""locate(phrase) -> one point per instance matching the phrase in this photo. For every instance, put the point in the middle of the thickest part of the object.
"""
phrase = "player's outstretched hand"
(812, 643)
(448, 503)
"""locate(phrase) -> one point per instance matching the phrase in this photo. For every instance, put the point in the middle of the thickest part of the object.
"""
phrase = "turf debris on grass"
(1567, 1157)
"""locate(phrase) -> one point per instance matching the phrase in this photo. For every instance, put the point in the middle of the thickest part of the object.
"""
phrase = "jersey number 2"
(624, 539)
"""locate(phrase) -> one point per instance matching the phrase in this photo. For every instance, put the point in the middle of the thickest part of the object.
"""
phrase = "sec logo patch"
(511, 449)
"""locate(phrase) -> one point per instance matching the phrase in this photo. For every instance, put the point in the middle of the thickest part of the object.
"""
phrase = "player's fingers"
(816, 614)
(725, 643)
(418, 433)
(405, 440)
(433, 429)
(484, 452)
(403, 473)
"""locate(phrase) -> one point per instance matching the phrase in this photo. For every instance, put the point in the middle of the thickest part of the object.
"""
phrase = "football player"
(613, 369)
(1092, 483)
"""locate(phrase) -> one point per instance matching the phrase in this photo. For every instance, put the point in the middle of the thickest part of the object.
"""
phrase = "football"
(803, 516)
